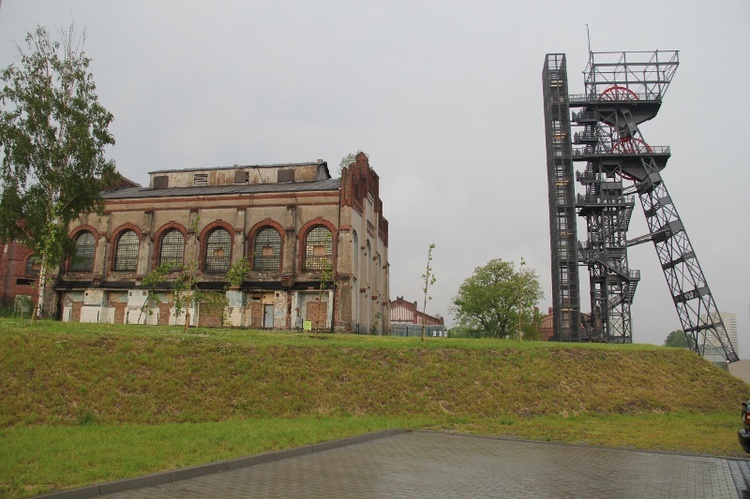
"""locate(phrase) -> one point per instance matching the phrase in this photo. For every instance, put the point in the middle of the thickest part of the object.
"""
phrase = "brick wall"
(120, 310)
(76, 314)
(13, 278)
(3, 272)
(256, 314)
(164, 309)
(211, 315)
(317, 312)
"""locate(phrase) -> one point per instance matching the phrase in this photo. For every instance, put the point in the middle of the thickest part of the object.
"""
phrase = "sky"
(446, 99)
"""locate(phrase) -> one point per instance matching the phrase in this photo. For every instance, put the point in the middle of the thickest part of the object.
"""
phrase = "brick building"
(406, 312)
(291, 221)
(546, 329)
(407, 320)
(19, 276)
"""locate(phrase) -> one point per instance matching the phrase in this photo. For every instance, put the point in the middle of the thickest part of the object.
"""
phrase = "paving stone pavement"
(444, 465)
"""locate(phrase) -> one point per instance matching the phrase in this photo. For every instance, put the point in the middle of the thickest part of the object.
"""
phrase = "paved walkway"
(443, 465)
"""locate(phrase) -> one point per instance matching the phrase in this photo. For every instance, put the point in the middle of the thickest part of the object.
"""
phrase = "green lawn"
(84, 403)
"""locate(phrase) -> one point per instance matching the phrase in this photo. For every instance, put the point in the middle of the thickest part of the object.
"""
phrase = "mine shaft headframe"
(632, 75)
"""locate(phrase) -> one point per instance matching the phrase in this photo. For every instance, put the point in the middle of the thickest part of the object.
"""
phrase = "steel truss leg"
(695, 305)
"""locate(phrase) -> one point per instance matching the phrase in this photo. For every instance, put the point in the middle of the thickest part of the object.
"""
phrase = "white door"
(268, 316)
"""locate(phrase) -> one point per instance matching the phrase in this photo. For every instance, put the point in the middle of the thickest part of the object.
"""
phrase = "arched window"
(83, 260)
(33, 264)
(172, 248)
(218, 251)
(378, 274)
(267, 250)
(368, 263)
(318, 249)
(126, 255)
(355, 253)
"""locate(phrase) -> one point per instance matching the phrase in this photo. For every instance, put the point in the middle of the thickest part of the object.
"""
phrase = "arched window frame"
(210, 246)
(378, 274)
(355, 254)
(125, 253)
(261, 261)
(165, 248)
(368, 262)
(33, 262)
(85, 252)
(318, 248)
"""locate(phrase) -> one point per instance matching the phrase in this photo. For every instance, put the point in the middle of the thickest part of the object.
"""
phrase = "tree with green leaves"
(490, 301)
(181, 278)
(54, 132)
(678, 339)
(428, 279)
(534, 331)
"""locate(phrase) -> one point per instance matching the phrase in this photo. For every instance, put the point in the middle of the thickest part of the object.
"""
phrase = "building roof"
(412, 315)
(121, 182)
(330, 184)
(235, 167)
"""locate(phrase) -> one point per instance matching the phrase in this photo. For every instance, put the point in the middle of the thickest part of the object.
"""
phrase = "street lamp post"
(520, 298)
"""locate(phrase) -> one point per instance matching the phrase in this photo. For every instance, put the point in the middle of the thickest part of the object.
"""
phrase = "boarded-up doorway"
(317, 313)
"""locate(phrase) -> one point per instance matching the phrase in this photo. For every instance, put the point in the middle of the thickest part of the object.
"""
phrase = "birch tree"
(428, 279)
(53, 132)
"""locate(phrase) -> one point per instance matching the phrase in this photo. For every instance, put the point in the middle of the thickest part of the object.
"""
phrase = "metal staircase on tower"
(623, 90)
(566, 305)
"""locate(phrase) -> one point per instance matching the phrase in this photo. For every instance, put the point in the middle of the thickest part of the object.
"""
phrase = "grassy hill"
(101, 391)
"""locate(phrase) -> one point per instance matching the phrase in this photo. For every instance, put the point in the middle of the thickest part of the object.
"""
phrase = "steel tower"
(562, 210)
(622, 91)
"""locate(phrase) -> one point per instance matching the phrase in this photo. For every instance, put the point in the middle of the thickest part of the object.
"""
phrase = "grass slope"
(91, 397)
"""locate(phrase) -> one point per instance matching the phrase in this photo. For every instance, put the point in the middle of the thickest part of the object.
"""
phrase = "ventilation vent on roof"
(241, 177)
(200, 179)
(286, 175)
(161, 182)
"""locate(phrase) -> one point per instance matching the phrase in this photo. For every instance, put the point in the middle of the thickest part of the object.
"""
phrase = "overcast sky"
(446, 99)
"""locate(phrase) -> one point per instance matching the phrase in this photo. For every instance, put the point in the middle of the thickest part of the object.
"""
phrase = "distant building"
(407, 320)
(730, 324)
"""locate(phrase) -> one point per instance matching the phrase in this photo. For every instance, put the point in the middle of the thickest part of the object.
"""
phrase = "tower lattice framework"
(622, 91)
(566, 305)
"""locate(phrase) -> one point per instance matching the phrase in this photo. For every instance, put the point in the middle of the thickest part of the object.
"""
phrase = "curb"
(210, 468)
